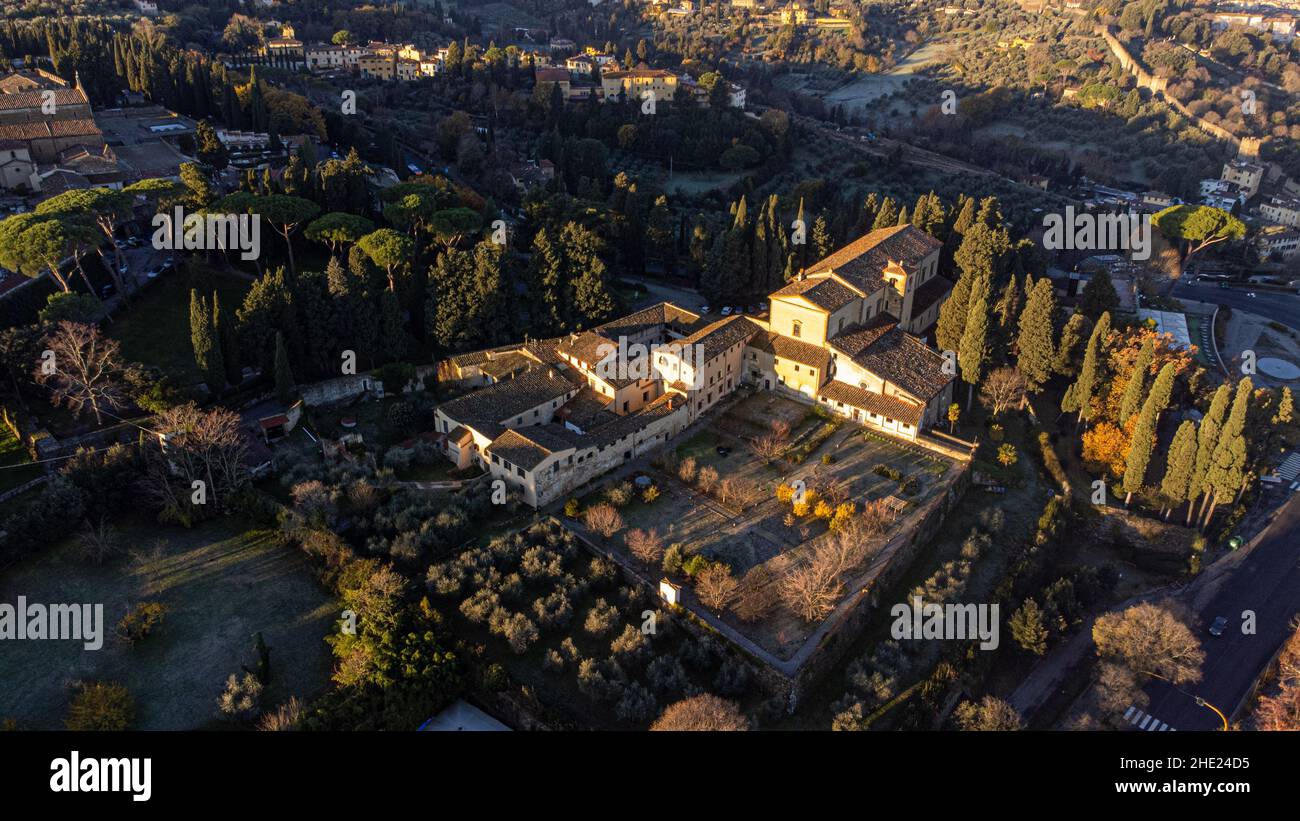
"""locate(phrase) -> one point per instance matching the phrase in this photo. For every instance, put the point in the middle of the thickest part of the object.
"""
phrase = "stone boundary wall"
(1248, 146)
(793, 678)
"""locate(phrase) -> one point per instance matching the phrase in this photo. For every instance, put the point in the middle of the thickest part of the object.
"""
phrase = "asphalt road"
(1274, 305)
(1267, 582)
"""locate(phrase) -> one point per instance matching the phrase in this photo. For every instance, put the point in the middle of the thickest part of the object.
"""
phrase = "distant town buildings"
(1282, 211)
(1246, 176)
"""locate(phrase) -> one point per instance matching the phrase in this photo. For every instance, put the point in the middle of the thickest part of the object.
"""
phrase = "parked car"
(1219, 625)
(726, 311)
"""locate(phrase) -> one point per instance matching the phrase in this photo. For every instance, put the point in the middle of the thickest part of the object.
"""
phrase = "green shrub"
(100, 705)
(888, 472)
(695, 564)
(673, 559)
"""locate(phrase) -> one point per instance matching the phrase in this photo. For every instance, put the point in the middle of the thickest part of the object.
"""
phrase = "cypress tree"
(1079, 396)
(228, 342)
(1008, 307)
(1143, 440)
(973, 353)
(284, 387)
(952, 316)
(1035, 350)
(1207, 437)
(1178, 469)
(1137, 381)
(1027, 628)
(887, 216)
(1071, 338)
(207, 351)
(1228, 466)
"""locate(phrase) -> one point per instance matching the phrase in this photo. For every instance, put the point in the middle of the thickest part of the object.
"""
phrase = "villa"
(548, 416)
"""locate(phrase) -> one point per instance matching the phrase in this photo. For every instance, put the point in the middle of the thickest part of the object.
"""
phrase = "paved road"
(1267, 582)
(1279, 307)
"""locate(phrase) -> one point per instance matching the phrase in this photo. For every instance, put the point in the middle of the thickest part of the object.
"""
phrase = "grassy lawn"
(15, 465)
(222, 582)
(155, 330)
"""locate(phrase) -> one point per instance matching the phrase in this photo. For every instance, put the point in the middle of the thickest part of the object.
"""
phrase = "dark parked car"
(1218, 626)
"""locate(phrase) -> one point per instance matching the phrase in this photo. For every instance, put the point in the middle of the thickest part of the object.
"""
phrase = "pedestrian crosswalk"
(1290, 468)
(1146, 721)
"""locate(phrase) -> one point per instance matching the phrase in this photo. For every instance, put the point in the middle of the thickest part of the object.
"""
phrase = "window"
(519, 471)
(840, 327)
(796, 368)
(645, 396)
(519, 421)
(796, 328)
(535, 413)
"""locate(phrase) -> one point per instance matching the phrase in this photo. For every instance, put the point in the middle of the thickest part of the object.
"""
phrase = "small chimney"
(801, 275)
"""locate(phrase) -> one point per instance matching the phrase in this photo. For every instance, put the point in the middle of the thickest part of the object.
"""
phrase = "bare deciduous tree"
(195, 445)
(84, 371)
(603, 518)
(989, 713)
(702, 713)
(646, 545)
(686, 470)
(715, 586)
(813, 587)
(1151, 639)
(771, 444)
(707, 479)
(99, 541)
(1002, 390)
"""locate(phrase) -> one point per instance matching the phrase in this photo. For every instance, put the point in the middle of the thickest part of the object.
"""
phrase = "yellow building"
(633, 83)
(378, 66)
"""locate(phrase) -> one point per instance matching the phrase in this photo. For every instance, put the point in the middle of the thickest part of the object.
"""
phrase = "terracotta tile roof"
(863, 399)
(587, 410)
(586, 347)
(891, 353)
(528, 447)
(84, 127)
(509, 397)
(34, 99)
(665, 315)
(625, 426)
(504, 364)
(856, 338)
(795, 350)
(862, 261)
(825, 292)
(721, 335)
